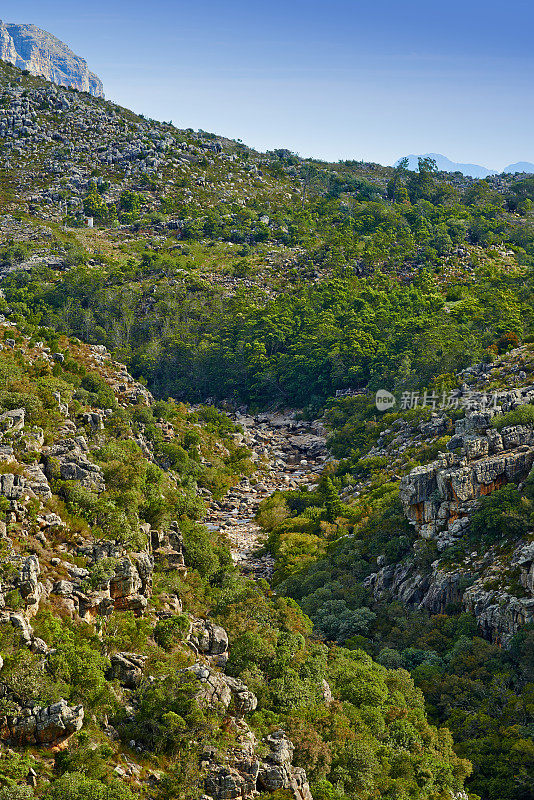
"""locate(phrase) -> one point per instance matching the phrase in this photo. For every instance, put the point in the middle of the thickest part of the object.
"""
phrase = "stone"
(13, 487)
(218, 690)
(64, 588)
(41, 53)
(523, 558)
(28, 578)
(437, 496)
(21, 624)
(43, 726)
(127, 668)
(69, 456)
(276, 771)
(210, 640)
(12, 420)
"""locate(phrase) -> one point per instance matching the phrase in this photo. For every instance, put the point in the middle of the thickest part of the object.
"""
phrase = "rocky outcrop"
(168, 548)
(12, 420)
(245, 774)
(42, 726)
(28, 582)
(127, 668)
(209, 640)
(277, 772)
(523, 559)
(25, 631)
(499, 614)
(218, 690)
(41, 53)
(13, 487)
(438, 497)
(68, 460)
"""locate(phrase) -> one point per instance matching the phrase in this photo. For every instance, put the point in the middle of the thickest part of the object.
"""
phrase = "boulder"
(127, 668)
(218, 690)
(209, 640)
(43, 726)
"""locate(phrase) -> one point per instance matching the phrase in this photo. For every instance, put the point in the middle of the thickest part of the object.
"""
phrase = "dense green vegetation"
(322, 277)
(372, 738)
(160, 311)
(483, 693)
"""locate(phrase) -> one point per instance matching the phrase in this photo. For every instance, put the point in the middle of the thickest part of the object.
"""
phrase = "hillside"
(226, 571)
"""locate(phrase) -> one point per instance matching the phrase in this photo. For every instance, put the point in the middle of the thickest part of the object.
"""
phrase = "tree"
(394, 184)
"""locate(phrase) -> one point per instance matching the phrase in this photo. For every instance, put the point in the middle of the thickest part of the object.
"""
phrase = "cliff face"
(494, 583)
(31, 48)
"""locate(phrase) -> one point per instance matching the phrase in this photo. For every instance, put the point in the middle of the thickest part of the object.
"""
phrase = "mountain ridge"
(41, 53)
(445, 164)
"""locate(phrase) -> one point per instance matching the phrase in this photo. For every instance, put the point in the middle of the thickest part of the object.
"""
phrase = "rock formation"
(45, 726)
(30, 48)
(438, 499)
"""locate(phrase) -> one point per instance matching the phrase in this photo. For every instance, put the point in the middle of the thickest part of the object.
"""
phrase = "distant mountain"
(37, 51)
(446, 165)
(521, 166)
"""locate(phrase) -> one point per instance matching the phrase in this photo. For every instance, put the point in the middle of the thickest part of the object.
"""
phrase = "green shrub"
(168, 632)
(522, 415)
(75, 786)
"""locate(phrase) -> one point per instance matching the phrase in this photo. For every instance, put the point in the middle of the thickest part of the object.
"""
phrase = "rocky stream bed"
(289, 453)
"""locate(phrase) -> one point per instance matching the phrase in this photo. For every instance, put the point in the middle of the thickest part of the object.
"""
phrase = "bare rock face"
(30, 48)
(438, 497)
(45, 726)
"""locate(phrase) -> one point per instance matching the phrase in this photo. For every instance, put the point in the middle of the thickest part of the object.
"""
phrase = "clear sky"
(364, 79)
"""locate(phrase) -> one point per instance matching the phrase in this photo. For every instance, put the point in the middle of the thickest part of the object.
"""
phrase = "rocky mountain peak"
(41, 53)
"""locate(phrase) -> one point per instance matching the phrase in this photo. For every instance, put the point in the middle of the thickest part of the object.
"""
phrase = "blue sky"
(337, 79)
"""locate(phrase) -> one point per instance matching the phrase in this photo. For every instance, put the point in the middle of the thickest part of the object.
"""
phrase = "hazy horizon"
(343, 82)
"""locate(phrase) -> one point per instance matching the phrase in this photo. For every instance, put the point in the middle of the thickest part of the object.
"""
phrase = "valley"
(225, 574)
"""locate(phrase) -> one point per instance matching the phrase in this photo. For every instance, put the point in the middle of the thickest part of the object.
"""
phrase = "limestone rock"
(31, 48)
(127, 668)
(46, 726)
(217, 689)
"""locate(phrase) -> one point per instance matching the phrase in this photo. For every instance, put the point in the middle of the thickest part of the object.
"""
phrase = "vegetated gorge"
(225, 573)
